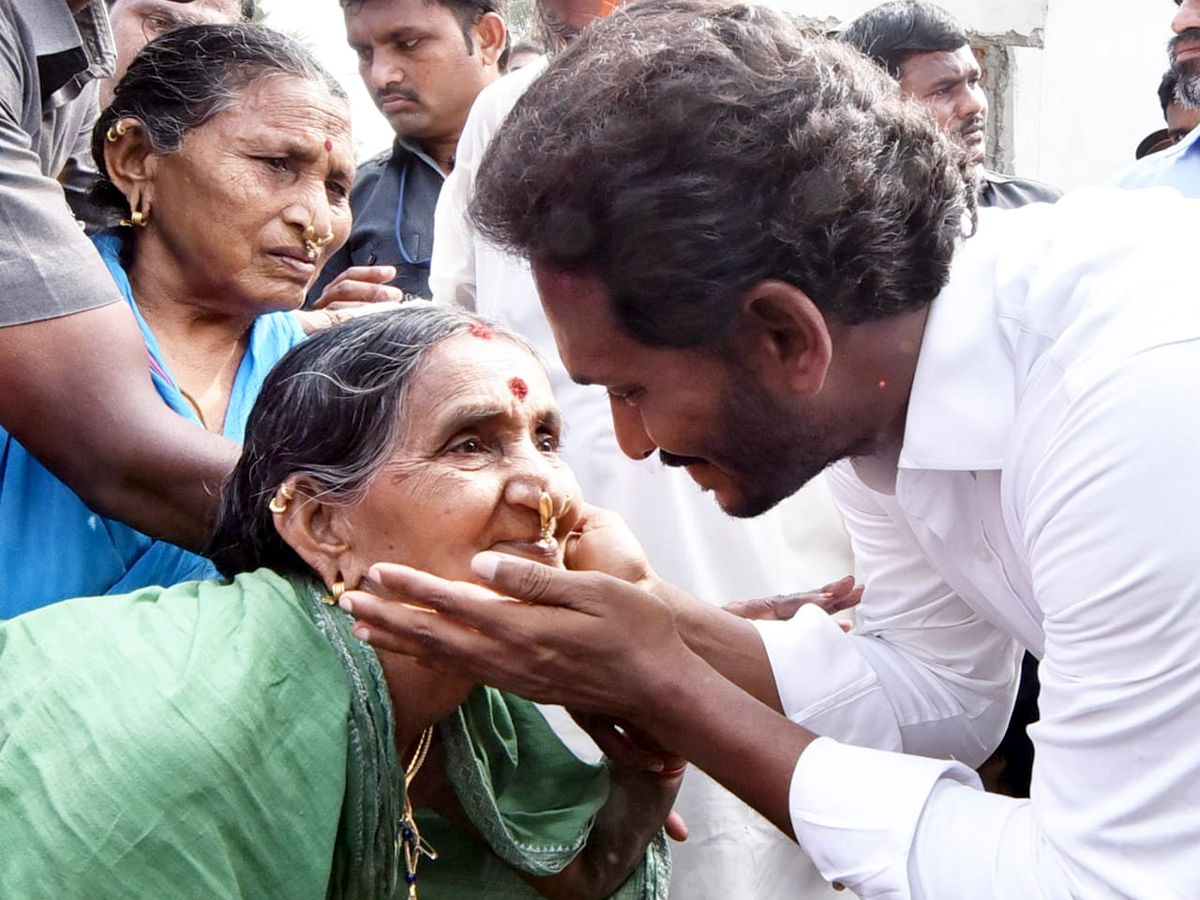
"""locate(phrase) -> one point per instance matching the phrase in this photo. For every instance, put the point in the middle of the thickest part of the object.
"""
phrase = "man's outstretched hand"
(583, 640)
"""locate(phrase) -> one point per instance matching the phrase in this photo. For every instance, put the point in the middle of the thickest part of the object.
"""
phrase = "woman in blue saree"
(226, 155)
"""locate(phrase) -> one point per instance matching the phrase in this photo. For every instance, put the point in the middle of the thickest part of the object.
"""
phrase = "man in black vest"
(929, 52)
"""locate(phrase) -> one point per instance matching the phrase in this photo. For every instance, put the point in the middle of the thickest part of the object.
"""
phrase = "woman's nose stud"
(549, 519)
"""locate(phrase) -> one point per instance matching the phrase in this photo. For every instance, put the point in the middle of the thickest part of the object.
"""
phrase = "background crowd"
(186, 204)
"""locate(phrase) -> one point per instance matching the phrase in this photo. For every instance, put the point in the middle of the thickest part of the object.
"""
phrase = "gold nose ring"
(312, 243)
(549, 518)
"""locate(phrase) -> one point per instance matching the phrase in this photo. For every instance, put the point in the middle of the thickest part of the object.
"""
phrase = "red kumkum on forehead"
(328, 144)
(481, 331)
(519, 388)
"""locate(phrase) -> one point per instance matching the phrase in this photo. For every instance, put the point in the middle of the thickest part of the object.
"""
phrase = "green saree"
(233, 740)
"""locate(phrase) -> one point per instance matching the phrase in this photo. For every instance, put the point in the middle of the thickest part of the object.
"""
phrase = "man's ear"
(131, 162)
(316, 530)
(784, 337)
(490, 36)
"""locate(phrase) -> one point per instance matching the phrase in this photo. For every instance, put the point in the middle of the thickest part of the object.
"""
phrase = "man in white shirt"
(757, 246)
(732, 852)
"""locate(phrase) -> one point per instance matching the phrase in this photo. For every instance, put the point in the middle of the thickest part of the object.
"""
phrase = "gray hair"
(330, 411)
(187, 76)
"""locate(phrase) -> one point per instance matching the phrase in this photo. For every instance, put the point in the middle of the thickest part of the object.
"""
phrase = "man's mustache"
(670, 459)
(1187, 37)
(403, 91)
(977, 121)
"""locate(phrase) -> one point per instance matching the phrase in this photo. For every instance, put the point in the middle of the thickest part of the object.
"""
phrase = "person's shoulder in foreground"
(1176, 167)
(1010, 191)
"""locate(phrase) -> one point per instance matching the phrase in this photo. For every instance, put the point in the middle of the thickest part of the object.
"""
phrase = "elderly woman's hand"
(600, 541)
(833, 598)
(360, 284)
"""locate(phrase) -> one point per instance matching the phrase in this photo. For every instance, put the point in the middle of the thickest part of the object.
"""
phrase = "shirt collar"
(962, 404)
(412, 147)
(71, 50)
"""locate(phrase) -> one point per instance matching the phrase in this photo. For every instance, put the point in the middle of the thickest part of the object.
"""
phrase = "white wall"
(1017, 20)
(1087, 99)
(319, 26)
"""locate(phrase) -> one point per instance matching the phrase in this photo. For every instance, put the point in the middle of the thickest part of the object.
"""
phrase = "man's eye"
(629, 397)
(468, 445)
(409, 44)
(547, 443)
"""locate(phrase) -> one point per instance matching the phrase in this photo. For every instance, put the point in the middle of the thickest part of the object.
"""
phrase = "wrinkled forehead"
(479, 367)
(192, 11)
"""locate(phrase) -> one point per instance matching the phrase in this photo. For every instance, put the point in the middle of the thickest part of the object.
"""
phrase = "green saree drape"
(233, 740)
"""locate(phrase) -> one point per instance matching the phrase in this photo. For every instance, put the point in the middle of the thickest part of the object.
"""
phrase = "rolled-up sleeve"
(48, 267)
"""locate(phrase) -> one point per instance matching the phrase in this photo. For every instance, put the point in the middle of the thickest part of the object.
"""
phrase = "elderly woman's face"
(480, 446)
(227, 212)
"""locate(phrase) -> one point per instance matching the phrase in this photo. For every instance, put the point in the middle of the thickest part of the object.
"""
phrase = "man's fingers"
(408, 629)
(466, 602)
(534, 582)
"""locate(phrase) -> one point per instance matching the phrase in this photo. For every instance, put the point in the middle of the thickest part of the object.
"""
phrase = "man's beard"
(769, 452)
(1187, 89)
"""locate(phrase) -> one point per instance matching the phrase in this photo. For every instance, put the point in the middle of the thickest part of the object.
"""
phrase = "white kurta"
(1047, 496)
(732, 852)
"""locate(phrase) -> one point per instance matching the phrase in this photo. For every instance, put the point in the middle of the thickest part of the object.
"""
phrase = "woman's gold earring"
(137, 219)
(335, 593)
(283, 496)
(114, 131)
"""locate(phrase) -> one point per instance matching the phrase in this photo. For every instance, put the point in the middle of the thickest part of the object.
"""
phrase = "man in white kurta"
(732, 853)
(1021, 470)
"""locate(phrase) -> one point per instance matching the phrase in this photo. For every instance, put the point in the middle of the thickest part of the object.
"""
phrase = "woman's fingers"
(361, 284)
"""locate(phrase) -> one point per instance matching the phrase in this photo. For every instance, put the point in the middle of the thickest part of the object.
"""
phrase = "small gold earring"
(137, 219)
(279, 503)
(114, 131)
(335, 593)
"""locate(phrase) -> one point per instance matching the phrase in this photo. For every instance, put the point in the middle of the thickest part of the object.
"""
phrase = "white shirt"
(1047, 496)
(732, 852)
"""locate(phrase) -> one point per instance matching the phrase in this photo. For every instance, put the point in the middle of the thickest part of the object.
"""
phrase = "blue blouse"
(53, 547)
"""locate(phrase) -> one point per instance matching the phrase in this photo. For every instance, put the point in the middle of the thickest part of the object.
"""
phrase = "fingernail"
(484, 565)
(345, 604)
(361, 632)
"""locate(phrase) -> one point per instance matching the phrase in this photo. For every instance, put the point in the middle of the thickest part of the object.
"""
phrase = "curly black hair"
(683, 150)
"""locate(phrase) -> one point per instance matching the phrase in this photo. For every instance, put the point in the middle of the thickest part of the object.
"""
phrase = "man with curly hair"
(771, 260)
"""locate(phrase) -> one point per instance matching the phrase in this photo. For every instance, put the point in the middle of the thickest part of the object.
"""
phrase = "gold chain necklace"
(410, 843)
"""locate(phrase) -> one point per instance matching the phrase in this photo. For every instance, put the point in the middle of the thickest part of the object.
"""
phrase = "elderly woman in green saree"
(233, 739)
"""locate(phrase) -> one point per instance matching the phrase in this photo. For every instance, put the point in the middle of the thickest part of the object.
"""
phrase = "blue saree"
(52, 546)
